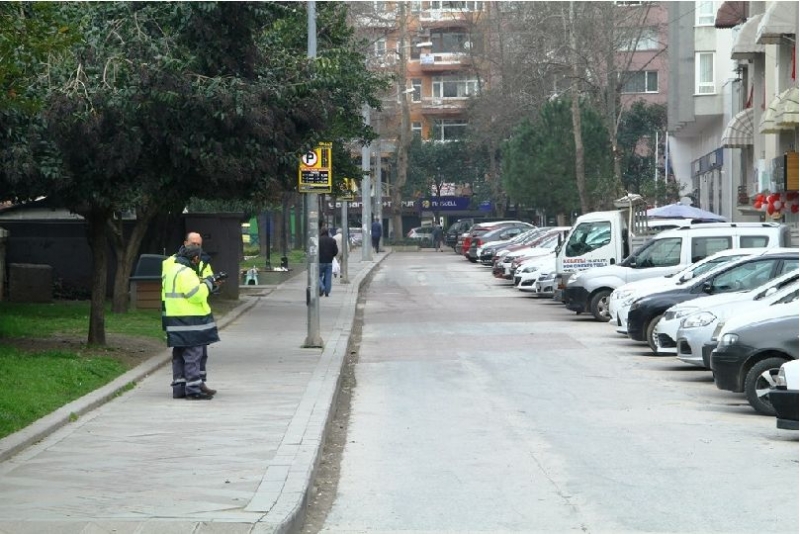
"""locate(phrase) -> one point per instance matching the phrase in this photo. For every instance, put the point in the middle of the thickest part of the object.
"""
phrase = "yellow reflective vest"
(187, 315)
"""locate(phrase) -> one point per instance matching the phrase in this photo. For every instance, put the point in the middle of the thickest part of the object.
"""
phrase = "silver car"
(699, 329)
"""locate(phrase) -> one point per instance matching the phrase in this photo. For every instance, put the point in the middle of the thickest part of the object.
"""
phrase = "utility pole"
(379, 183)
(366, 196)
(313, 338)
(343, 278)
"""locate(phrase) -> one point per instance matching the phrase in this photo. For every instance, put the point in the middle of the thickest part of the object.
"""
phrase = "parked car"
(422, 234)
(455, 230)
(621, 298)
(745, 273)
(666, 253)
(693, 322)
(751, 350)
(529, 271)
(488, 251)
(697, 335)
(479, 229)
(355, 236)
(501, 233)
(783, 397)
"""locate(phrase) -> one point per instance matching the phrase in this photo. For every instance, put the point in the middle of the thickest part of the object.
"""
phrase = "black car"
(738, 275)
(748, 358)
(455, 230)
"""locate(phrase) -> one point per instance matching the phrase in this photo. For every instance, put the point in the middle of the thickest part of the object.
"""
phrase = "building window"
(449, 129)
(705, 13)
(416, 6)
(704, 75)
(643, 81)
(379, 6)
(448, 42)
(640, 39)
(416, 129)
(379, 48)
(416, 84)
(456, 5)
(454, 87)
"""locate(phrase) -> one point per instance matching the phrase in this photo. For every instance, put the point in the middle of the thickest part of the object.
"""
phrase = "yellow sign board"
(314, 171)
(349, 190)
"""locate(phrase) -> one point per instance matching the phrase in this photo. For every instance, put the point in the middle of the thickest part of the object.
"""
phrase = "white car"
(620, 300)
(698, 329)
(785, 394)
(546, 283)
(708, 310)
(528, 271)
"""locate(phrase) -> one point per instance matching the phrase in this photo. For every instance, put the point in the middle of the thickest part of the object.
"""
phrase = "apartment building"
(733, 104)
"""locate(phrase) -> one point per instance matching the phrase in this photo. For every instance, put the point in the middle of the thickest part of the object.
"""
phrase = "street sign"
(314, 172)
(349, 190)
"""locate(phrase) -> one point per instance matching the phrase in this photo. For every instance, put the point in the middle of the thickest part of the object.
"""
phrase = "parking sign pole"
(313, 338)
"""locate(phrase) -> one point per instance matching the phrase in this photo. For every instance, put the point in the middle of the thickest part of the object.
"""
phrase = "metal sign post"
(312, 173)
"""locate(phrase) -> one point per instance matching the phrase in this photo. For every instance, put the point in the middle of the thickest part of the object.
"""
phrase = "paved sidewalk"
(146, 463)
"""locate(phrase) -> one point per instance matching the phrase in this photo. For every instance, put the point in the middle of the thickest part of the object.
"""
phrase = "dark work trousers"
(203, 362)
(376, 243)
(192, 356)
(178, 378)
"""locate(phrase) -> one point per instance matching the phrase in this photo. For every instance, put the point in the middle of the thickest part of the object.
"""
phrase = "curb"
(286, 487)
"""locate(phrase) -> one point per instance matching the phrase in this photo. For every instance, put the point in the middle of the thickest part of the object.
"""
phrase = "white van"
(667, 253)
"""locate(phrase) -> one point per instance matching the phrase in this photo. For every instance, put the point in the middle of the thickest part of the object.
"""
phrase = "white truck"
(601, 238)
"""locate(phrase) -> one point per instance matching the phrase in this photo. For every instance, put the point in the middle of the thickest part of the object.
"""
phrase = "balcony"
(443, 106)
(445, 61)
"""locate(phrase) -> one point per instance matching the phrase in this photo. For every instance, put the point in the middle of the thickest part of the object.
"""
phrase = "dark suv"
(456, 229)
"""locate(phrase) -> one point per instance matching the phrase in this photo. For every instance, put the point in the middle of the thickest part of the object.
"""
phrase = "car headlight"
(680, 312)
(621, 295)
(698, 319)
(529, 269)
(574, 279)
(780, 380)
(728, 339)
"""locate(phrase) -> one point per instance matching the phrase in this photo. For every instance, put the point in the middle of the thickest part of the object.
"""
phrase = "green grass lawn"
(38, 380)
(34, 384)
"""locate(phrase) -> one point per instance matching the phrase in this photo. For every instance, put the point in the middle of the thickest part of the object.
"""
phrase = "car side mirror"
(707, 287)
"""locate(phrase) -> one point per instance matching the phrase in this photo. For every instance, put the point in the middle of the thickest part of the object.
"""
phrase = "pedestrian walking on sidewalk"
(437, 237)
(189, 323)
(327, 252)
(376, 232)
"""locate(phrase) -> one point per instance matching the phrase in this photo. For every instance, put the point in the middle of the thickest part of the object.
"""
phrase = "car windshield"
(587, 237)
(706, 266)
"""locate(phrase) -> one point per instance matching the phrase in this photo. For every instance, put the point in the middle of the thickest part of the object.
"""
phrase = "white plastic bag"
(336, 268)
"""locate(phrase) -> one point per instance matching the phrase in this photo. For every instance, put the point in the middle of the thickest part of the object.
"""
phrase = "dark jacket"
(376, 230)
(327, 249)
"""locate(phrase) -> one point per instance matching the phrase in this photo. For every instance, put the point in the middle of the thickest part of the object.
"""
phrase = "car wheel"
(650, 333)
(599, 305)
(759, 380)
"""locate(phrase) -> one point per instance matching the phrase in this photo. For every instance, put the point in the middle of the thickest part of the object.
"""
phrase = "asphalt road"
(480, 409)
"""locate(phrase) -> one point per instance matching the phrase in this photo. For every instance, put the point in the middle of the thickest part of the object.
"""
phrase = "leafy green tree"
(162, 102)
(538, 161)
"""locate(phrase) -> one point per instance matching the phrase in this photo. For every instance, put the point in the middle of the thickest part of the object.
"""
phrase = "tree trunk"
(127, 251)
(580, 172)
(498, 196)
(405, 131)
(97, 221)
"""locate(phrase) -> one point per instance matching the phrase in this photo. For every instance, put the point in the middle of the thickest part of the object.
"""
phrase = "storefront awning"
(788, 116)
(739, 132)
(780, 19)
(744, 43)
(781, 114)
(730, 14)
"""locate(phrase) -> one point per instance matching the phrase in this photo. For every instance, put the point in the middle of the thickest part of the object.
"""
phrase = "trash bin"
(145, 284)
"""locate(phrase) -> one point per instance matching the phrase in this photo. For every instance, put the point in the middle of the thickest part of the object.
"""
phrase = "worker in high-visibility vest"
(188, 320)
(204, 270)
